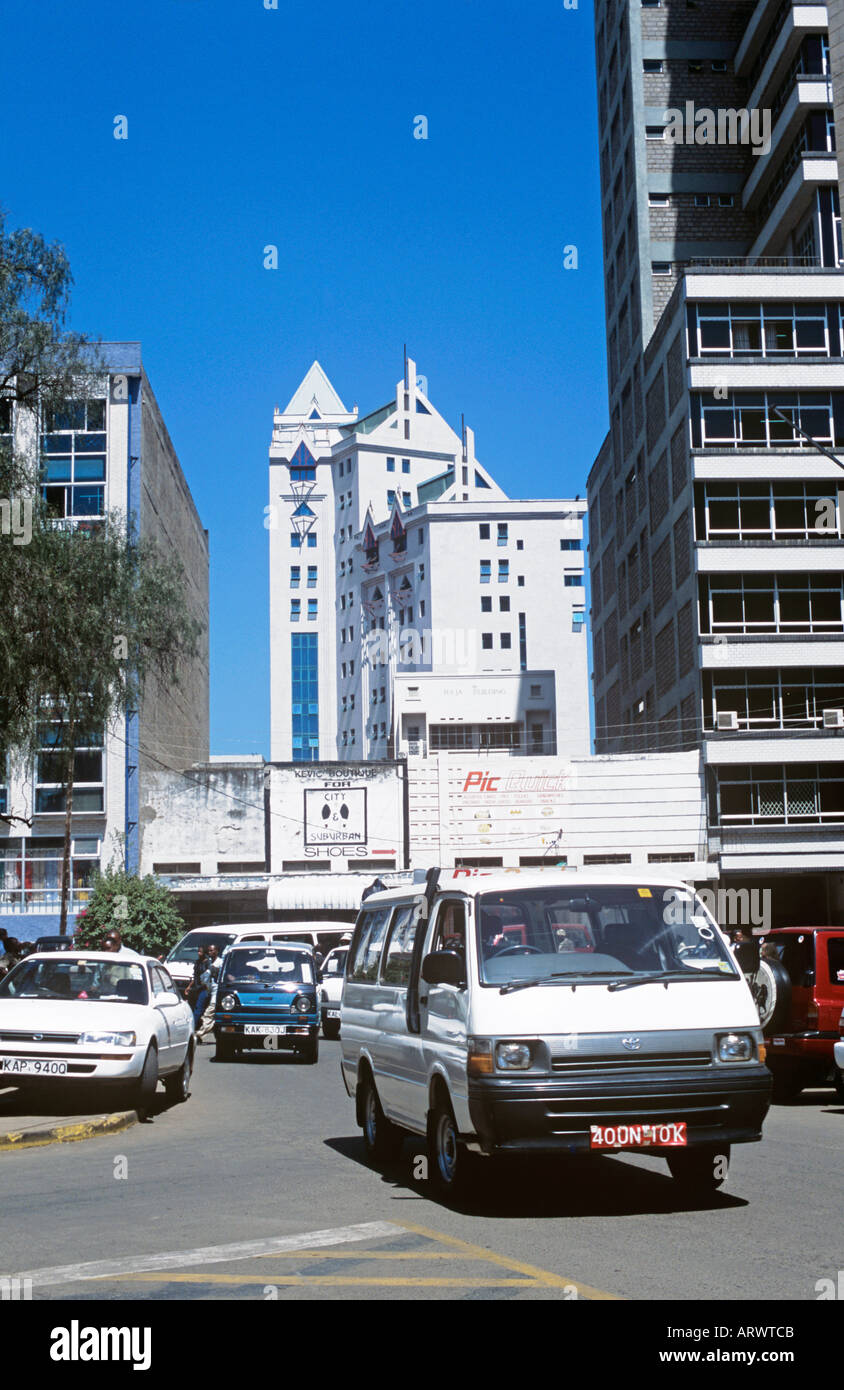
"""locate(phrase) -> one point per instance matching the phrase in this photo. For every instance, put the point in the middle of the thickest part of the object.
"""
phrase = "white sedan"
(331, 974)
(96, 1019)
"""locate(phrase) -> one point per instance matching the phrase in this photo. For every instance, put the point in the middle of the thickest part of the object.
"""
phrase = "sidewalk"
(20, 1130)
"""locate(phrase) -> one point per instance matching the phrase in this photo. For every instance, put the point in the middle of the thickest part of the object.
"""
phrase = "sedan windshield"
(263, 968)
(116, 981)
(188, 948)
(574, 933)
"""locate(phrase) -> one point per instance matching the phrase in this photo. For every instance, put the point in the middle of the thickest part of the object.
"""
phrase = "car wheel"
(147, 1083)
(310, 1052)
(177, 1086)
(788, 1080)
(449, 1161)
(331, 1029)
(225, 1050)
(382, 1139)
(701, 1170)
(771, 987)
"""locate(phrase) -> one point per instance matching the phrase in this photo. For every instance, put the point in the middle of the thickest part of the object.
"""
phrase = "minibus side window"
(399, 952)
(450, 934)
(364, 965)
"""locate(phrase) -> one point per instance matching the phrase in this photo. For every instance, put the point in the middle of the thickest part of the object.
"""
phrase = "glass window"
(486, 571)
(399, 948)
(364, 963)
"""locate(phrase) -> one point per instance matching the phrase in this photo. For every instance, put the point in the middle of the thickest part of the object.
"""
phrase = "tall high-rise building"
(716, 549)
(414, 607)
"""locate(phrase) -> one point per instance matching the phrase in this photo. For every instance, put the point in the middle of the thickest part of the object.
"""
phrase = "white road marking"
(209, 1254)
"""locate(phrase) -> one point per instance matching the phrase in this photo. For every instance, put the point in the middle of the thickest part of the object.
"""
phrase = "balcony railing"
(752, 263)
(24, 901)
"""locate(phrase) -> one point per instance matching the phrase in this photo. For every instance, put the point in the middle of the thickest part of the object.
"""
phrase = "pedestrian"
(206, 1022)
(114, 945)
(198, 994)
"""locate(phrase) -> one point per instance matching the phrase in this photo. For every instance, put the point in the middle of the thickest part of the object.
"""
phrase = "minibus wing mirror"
(444, 968)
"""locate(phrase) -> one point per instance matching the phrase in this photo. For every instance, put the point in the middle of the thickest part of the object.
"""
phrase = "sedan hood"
(77, 1016)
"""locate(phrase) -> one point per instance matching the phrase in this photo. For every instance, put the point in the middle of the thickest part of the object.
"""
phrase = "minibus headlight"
(736, 1047)
(228, 1002)
(513, 1056)
(302, 1004)
(479, 1057)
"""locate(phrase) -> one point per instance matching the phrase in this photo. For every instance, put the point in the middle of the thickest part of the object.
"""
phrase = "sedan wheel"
(147, 1084)
(177, 1086)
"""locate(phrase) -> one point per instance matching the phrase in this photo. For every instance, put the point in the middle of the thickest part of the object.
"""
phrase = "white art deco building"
(414, 607)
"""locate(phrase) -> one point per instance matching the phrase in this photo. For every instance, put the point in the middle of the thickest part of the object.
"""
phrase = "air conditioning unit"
(833, 718)
(727, 721)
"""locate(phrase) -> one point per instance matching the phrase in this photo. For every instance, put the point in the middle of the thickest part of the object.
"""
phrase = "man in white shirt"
(114, 944)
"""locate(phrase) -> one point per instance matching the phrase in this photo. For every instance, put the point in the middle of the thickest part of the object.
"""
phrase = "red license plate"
(670, 1135)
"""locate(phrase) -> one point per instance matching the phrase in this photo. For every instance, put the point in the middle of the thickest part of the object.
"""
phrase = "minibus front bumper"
(723, 1104)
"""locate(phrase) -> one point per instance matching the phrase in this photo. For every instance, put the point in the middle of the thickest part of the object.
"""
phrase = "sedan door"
(166, 1021)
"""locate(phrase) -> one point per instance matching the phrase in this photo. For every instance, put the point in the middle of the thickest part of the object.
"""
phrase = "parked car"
(54, 943)
(331, 990)
(95, 1020)
(838, 1056)
(512, 1013)
(321, 936)
(800, 993)
(267, 996)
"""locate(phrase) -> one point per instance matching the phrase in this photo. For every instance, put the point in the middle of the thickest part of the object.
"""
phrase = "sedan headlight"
(228, 1002)
(736, 1047)
(109, 1039)
(302, 1004)
(513, 1056)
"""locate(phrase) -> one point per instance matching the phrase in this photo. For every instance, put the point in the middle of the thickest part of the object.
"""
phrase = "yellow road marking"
(365, 1255)
(333, 1280)
(543, 1276)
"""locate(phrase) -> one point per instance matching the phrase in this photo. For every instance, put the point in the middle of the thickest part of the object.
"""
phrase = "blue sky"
(294, 127)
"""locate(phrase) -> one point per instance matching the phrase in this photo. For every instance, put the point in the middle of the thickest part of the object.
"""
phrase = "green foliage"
(143, 910)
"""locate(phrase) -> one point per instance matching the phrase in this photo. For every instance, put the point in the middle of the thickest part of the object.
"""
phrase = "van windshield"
(576, 932)
(266, 967)
(188, 948)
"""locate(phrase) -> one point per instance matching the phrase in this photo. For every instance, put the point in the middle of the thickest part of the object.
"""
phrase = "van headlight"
(228, 1002)
(736, 1047)
(108, 1039)
(302, 1004)
(513, 1056)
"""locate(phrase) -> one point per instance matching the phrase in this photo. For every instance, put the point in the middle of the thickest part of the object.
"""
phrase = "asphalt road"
(266, 1153)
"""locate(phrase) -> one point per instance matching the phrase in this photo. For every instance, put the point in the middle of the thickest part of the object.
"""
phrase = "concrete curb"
(66, 1131)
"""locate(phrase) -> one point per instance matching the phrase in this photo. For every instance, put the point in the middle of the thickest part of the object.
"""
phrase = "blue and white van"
(550, 1012)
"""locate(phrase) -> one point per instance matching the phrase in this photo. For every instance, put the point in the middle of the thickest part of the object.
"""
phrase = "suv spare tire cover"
(772, 992)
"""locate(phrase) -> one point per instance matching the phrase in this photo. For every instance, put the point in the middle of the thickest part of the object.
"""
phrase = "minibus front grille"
(586, 1066)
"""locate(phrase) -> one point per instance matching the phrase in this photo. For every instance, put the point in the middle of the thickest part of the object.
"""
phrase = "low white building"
(107, 451)
(645, 813)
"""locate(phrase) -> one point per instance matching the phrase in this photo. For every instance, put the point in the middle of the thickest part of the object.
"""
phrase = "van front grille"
(569, 1065)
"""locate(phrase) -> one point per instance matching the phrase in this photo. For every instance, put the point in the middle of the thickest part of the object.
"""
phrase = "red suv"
(799, 989)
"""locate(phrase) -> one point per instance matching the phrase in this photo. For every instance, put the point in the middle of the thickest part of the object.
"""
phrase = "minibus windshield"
(618, 932)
